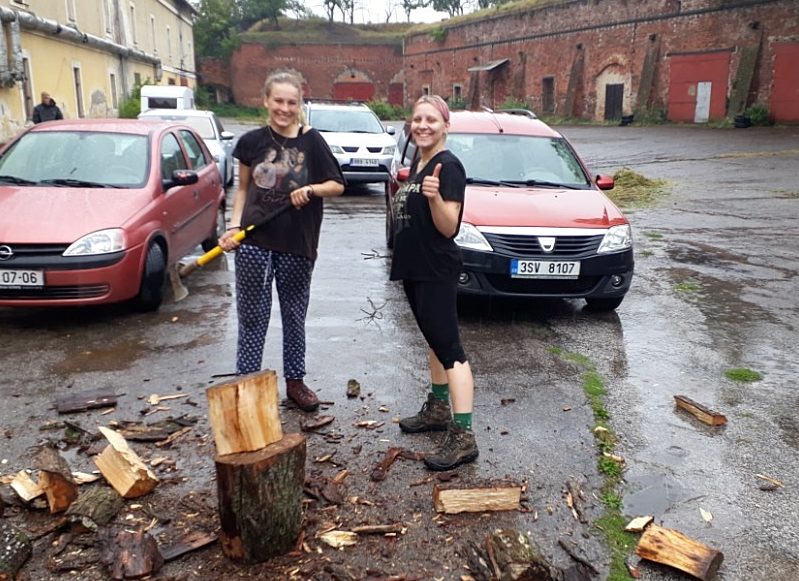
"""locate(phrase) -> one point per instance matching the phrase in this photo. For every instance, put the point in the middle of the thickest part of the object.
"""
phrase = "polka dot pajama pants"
(256, 268)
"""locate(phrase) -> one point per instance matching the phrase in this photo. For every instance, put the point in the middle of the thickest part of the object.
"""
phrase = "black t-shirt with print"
(277, 167)
(421, 252)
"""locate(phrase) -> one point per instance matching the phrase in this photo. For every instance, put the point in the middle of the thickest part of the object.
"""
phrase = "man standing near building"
(47, 110)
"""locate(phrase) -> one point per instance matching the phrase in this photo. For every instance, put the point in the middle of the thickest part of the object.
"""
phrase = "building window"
(109, 16)
(71, 10)
(113, 82)
(133, 24)
(137, 79)
(548, 95)
(152, 34)
(169, 42)
(78, 91)
(425, 89)
(457, 93)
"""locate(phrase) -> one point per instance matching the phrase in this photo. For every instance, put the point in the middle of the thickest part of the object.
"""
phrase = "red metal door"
(354, 91)
(687, 71)
(785, 92)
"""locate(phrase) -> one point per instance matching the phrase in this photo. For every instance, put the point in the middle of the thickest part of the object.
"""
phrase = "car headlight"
(470, 237)
(100, 242)
(617, 238)
(337, 149)
(389, 150)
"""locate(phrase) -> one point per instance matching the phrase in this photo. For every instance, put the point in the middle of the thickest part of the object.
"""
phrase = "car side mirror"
(604, 182)
(227, 135)
(391, 130)
(181, 177)
(403, 174)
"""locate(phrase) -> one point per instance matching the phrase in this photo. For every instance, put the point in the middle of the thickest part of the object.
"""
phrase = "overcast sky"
(375, 11)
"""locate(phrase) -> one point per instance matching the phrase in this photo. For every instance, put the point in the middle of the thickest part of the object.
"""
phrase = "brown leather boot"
(301, 394)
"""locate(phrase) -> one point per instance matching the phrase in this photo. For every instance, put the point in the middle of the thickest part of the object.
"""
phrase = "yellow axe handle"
(212, 254)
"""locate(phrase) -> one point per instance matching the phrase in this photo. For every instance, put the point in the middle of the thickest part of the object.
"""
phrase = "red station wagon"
(535, 223)
(95, 211)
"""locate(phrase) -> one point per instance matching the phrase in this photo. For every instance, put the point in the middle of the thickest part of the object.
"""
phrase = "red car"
(96, 211)
(535, 223)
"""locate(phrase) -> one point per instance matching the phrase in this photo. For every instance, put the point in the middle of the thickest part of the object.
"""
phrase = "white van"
(166, 97)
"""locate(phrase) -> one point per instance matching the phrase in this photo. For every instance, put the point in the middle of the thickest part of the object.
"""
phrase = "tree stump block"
(260, 499)
(672, 548)
(244, 413)
(15, 549)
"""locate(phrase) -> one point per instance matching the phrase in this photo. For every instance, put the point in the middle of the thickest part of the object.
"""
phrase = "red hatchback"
(535, 223)
(95, 211)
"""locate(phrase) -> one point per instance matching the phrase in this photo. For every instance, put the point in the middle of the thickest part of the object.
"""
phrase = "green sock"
(463, 420)
(441, 391)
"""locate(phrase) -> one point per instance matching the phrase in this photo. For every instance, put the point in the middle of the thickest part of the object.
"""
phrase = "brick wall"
(582, 45)
(613, 37)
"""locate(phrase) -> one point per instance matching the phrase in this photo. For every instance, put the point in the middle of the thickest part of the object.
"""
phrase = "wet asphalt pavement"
(715, 288)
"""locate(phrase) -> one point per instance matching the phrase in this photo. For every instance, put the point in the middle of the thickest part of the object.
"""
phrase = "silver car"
(363, 147)
(206, 123)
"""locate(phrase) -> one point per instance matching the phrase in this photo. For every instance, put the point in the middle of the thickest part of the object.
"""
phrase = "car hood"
(358, 139)
(551, 208)
(62, 215)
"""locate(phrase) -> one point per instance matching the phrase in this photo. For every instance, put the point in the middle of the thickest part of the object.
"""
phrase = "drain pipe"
(30, 22)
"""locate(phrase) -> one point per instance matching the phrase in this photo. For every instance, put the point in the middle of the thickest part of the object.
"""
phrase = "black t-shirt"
(277, 167)
(421, 252)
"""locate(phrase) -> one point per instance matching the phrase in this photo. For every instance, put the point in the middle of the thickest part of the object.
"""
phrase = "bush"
(130, 107)
(758, 115)
(457, 104)
(387, 112)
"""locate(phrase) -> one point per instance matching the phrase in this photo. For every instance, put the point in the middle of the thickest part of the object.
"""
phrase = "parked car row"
(102, 208)
(535, 223)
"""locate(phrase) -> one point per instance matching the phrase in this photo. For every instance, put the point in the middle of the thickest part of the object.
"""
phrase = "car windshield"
(76, 159)
(345, 121)
(202, 125)
(517, 159)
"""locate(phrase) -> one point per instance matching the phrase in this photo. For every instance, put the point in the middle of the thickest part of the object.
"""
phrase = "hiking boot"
(301, 394)
(434, 416)
(459, 447)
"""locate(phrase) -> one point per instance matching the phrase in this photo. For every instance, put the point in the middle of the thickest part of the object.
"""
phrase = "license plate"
(366, 162)
(21, 278)
(544, 269)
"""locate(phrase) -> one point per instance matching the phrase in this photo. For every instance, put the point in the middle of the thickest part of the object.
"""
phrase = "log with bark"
(95, 507)
(699, 411)
(672, 548)
(129, 554)
(86, 400)
(260, 499)
(244, 413)
(55, 478)
(15, 550)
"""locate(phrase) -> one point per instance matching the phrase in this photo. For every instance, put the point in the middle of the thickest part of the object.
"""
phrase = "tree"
(330, 8)
(451, 7)
(410, 5)
(252, 11)
(215, 33)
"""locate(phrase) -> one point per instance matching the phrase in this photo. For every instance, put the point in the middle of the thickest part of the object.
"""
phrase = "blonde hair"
(288, 77)
(437, 102)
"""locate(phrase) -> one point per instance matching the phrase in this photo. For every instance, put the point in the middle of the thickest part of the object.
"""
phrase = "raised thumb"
(437, 170)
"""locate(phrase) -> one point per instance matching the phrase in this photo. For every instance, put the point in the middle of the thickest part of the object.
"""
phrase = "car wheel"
(219, 228)
(603, 305)
(153, 279)
(389, 223)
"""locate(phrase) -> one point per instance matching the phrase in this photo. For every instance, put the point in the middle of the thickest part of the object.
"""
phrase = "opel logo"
(5, 252)
(547, 243)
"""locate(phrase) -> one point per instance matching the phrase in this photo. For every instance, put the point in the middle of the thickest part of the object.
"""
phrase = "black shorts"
(435, 307)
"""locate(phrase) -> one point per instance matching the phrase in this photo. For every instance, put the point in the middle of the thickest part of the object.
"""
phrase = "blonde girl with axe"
(427, 215)
(282, 250)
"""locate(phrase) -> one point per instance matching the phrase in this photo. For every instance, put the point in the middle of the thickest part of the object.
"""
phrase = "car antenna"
(494, 118)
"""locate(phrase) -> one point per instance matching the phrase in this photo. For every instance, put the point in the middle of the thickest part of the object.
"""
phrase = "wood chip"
(638, 524)
(337, 539)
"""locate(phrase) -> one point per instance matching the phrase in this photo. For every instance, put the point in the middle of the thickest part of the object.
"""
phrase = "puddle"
(107, 358)
(653, 494)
